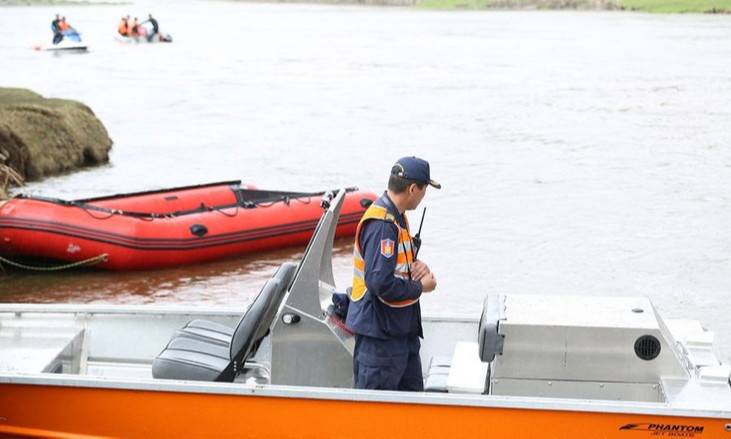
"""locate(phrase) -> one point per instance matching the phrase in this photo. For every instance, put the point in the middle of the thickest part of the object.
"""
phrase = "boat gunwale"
(229, 183)
(90, 308)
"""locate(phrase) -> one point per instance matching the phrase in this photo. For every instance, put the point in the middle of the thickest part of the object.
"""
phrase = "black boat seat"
(218, 333)
(203, 361)
(216, 358)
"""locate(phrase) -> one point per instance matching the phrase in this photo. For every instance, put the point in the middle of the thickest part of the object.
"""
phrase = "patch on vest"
(387, 246)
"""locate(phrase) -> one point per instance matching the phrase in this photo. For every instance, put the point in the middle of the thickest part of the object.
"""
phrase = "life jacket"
(122, 27)
(132, 26)
(404, 255)
(62, 25)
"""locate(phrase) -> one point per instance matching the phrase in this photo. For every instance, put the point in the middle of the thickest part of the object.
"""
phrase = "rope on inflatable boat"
(91, 261)
(107, 213)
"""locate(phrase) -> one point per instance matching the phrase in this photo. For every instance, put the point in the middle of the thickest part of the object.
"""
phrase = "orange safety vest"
(132, 25)
(404, 255)
(122, 27)
(63, 25)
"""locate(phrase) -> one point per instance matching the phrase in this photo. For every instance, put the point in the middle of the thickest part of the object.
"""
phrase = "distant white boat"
(71, 41)
(64, 46)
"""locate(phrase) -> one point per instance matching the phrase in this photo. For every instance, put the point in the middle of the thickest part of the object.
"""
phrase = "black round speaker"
(647, 347)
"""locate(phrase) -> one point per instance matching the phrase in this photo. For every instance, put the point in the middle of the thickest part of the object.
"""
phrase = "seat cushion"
(202, 346)
(204, 335)
(210, 326)
(179, 364)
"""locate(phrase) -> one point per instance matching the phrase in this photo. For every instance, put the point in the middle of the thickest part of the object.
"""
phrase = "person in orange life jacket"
(132, 27)
(123, 27)
(63, 25)
(68, 31)
(384, 311)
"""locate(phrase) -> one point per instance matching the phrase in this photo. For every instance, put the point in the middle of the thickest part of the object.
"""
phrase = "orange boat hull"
(57, 411)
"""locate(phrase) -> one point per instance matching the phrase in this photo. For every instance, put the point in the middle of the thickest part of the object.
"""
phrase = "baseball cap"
(414, 169)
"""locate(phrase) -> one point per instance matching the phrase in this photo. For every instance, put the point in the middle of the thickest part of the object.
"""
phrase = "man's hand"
(420, 272)
(428, 283)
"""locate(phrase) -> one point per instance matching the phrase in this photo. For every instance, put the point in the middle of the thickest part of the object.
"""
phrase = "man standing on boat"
(155, 27)
(57, 34)
(384, 312)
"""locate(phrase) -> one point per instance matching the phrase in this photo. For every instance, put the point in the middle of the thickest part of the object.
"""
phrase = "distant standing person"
(56, 28)
(155, 27)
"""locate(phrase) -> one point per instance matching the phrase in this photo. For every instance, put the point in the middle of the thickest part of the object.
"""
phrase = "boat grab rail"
(148, 216)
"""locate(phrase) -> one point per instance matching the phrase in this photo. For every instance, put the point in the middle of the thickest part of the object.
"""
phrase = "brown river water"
(581, 153)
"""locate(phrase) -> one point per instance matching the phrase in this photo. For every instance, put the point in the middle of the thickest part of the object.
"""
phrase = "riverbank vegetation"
(60, 3)
(41, 137)
(678, 6)
(654, 6)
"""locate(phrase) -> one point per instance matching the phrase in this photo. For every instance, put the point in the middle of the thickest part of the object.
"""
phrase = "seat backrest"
(244, 338)
(285, 276)
(489, 341)
(254, 324)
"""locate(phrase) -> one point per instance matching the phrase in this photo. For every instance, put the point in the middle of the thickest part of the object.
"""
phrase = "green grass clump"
(41, 137)
(454, 4)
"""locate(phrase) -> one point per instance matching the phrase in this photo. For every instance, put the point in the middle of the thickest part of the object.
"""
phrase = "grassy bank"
(678, 6)
(518, 4)
(41, 137)
(654, 6)
(59, 3)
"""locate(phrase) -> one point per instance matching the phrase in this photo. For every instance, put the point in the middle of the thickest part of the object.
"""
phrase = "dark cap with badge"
(414, 169)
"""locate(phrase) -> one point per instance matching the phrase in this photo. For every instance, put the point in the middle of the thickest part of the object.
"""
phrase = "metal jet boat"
(520, 367)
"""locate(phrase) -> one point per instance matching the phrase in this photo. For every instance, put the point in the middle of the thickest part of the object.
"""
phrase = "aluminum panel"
(644, 392)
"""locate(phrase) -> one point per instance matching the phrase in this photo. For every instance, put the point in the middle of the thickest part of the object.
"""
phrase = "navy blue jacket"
(369, 316)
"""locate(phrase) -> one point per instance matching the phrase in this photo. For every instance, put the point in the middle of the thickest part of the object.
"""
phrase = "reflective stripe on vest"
(404, 255)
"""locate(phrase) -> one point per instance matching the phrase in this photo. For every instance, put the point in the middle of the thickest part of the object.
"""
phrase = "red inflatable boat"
(168, 227)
